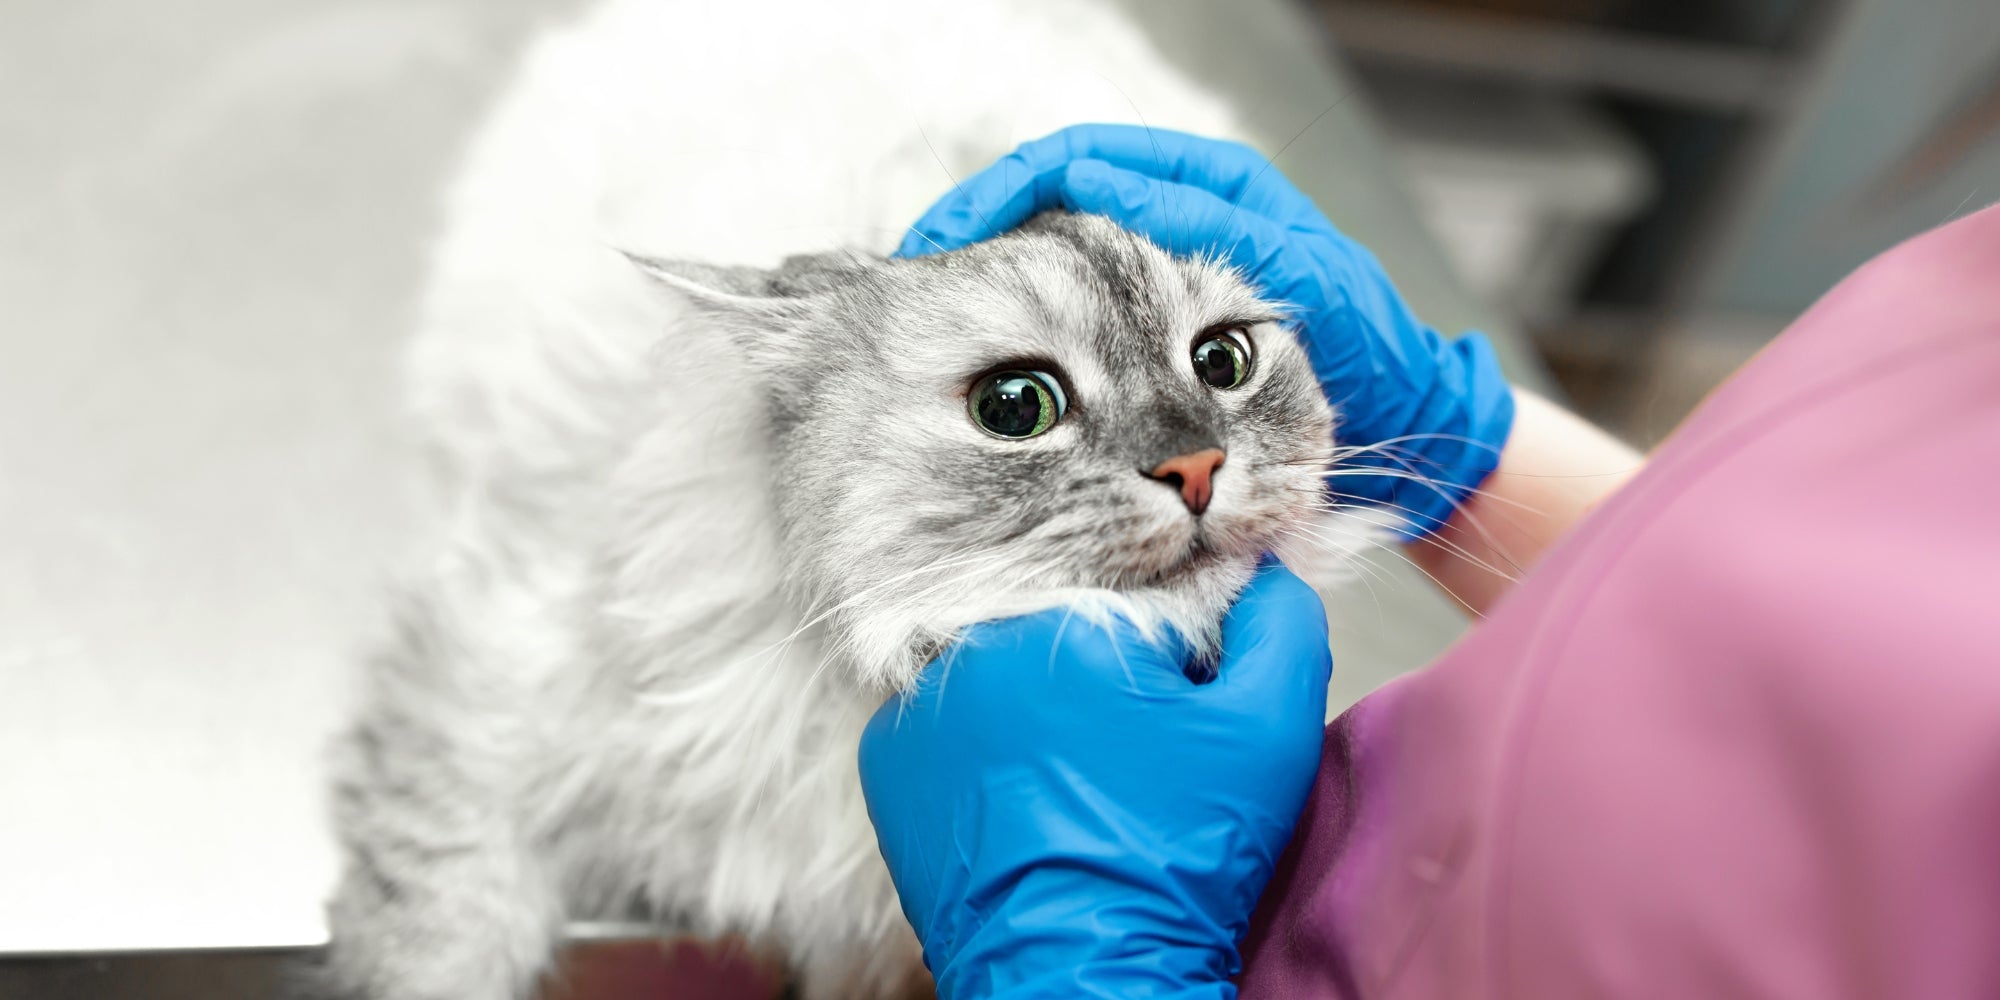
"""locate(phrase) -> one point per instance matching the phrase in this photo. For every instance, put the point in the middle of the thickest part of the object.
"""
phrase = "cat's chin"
(888, 646)
(1182, 550)
(1185, 568)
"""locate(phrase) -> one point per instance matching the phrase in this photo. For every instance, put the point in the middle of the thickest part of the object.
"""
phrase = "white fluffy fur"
(706, 778)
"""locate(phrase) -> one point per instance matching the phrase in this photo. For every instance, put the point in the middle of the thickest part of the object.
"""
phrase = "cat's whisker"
(1415, 476)
(1368, 503)
(1354, 559)
(1443, 544)
(927, 238)
(780, 646)
(1439, 584)
(955, 185)
(1118, 650)
(1159, 155)
(1477, 524)
(979, 564)
(1272, 161)
(1414, 565)
(1069, 611)
(1392, 447)
(1435, 539)
(1437, 436)
(1426, 481)
(1345, 552)
(1439, 543)
(1446, 545)
(870, 590)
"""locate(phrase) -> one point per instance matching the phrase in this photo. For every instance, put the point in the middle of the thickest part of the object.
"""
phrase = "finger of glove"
(1075, 660)
(1230, 171)
(1017, 186)
(1274, 644)
(1188, 221)
(991, 202)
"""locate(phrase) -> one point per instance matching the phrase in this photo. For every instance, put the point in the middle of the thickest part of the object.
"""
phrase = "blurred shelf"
(1543, 50)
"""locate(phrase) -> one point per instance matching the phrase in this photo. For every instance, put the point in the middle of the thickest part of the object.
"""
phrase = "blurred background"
(1653, 188)
(213, 219)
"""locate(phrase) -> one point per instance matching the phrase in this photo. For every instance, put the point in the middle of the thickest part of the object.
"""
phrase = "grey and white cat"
(704, 518)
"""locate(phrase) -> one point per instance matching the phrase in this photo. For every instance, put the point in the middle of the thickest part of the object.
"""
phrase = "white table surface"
(211, 214)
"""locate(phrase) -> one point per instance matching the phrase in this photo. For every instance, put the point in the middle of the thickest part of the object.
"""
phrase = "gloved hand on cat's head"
(1067, 815)
(1422, 418)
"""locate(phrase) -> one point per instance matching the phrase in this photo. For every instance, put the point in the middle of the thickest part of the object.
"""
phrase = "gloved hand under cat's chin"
(1055, 790)
(1422, 418)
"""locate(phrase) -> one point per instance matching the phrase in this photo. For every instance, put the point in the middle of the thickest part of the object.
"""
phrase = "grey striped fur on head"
(903, 520)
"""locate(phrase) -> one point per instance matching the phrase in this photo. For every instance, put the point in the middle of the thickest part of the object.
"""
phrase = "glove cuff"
(1023, 968)
(1067, 929)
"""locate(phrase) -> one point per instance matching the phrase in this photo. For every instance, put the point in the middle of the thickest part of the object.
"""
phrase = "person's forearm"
(1554, 469)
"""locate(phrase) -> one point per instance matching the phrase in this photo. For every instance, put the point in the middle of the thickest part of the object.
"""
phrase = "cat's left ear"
(742, 303)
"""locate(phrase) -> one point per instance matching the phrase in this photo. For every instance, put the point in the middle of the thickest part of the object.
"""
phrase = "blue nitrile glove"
(1429, 413)
(1067, 815)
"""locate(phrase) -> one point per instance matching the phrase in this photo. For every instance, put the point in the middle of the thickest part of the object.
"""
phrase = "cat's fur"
(704, 519)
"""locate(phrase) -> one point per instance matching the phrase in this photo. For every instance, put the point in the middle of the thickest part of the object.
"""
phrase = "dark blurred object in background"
(591, 970)
(1655, 187)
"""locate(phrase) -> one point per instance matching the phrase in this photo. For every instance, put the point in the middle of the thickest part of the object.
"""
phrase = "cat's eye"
(1223, 359)
(1017, 404)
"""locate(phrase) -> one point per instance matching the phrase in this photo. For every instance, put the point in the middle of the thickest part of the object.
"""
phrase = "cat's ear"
(743, 303)
(743, 289)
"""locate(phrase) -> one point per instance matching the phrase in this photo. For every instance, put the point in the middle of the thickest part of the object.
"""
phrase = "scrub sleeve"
(1739, 735)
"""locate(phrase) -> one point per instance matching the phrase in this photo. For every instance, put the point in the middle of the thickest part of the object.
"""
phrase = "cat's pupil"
(1220, 362)
(1013, 404)
(1217, 367)
(1013, 407)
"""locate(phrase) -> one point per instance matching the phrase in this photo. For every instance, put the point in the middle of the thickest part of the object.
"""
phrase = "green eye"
(1223, 360)
(1017, 404)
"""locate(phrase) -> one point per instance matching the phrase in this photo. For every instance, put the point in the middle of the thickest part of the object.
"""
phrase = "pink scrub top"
(1739, 735)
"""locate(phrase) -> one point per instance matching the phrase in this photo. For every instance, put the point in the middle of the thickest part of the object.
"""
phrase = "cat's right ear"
(735, 301)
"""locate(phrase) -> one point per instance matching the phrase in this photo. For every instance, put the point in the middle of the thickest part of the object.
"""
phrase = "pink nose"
(1190, 474)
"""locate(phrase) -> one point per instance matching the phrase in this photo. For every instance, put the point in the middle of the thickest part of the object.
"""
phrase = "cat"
(715, 491)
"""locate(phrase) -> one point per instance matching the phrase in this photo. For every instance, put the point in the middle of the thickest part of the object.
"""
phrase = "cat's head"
(1041, 418)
